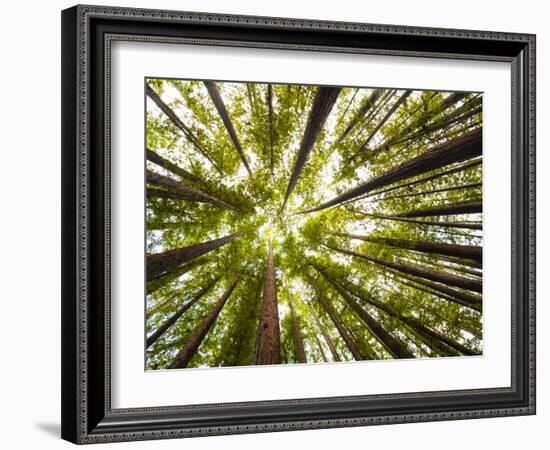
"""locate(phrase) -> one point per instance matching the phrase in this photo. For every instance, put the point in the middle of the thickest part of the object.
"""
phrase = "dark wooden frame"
(87, 416)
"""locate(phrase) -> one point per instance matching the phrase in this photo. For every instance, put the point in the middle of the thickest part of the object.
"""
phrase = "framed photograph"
(279, 224)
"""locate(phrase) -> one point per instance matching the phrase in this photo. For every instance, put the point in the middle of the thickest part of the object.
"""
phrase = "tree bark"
(157, 283)
(322, 105)
(171, 167)
(433, 275)
(174, 318)
(460, 149)
(169, 112)
(464, 225)
(269, 341)
(270, 112)
(461, 251)
(185, 355)
(160, 264)
(446, 210)
(435, 191)
(326, 336)
(187, 192)
(320, 347)
(357, 355)
(367, 105)
(214, 93)
(300, 352)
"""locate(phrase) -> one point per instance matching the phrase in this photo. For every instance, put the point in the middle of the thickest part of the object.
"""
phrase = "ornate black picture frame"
(87, 34)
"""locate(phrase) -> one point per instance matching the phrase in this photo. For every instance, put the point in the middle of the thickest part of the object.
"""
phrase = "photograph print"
(292, 224)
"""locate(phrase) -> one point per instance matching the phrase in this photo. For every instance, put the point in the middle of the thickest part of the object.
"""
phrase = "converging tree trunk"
(216, 97)
(322, 105)
(174, 318)
(460, 149)
(300, 352)
(270, 112)
(464, 225)
(326, 336)
(446, 210)
(176, 272)
(159, 264)
(269, 341)
(185, 355)
(433, 275)
(365, 107)
(171, 167)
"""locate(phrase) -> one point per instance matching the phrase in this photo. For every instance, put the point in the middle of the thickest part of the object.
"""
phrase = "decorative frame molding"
(87, 34)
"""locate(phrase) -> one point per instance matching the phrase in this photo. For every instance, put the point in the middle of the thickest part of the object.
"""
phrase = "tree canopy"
(301, 224)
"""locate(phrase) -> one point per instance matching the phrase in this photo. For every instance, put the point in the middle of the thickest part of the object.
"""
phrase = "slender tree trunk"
(269, 341)
(436, 191)
(326, 336)
(382, 306)
(433, 275)
(157, 283)
(300, 352)
(270, 110)
(320, 347)
(461, 251)
(386, 117)
(188, 192)
(171, 167)
(222, 111)
(446, 210)
(462, 261)
(190, 348)
(169, 112)
(159, 264)
(174, 318)
(322, 105)
(460, 168)
(335, 319)
(460, 149)
(464, 225)
(367, 105)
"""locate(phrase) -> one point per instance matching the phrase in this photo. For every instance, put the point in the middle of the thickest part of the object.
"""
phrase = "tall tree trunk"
(435, 191)
(178, 271)
(171, 167)
(384, 307)
(322, 105)
(269, 341)
(326, 336)
(185, 355)
(169, 112)
(386, 117)
(212, 88)
(300, 352)
(461, 251)
(174, 318)
(335, 319)
(446, 210)
(460, 149)
(159, 264)
(365, 107)
(464, 225)
(433, 275)
(188, 192)
(270, 111)
(456, 169)
(462, 261)
(320, 347)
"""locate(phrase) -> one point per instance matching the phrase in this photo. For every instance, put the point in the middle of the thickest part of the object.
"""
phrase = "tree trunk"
(187, 192)
(160, 264)
(322, 105)
(222, 111)
(435, 191)
(461, 251)
(270, 110)
(382, 306)
(174, 318)
(433, 275)
(171, 167)
(336, 320)
(464, 225)
(153, 285)
(386, 117)
(320, 347)
(460, 149)
(179, 124)
(300, 352)
(446, 210)
(190, 348)
(368, 104)
(326, 336)
(459, 168)
(269, 342)
(462, 261)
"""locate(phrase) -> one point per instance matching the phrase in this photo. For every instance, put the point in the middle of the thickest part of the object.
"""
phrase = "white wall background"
(30, 228)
